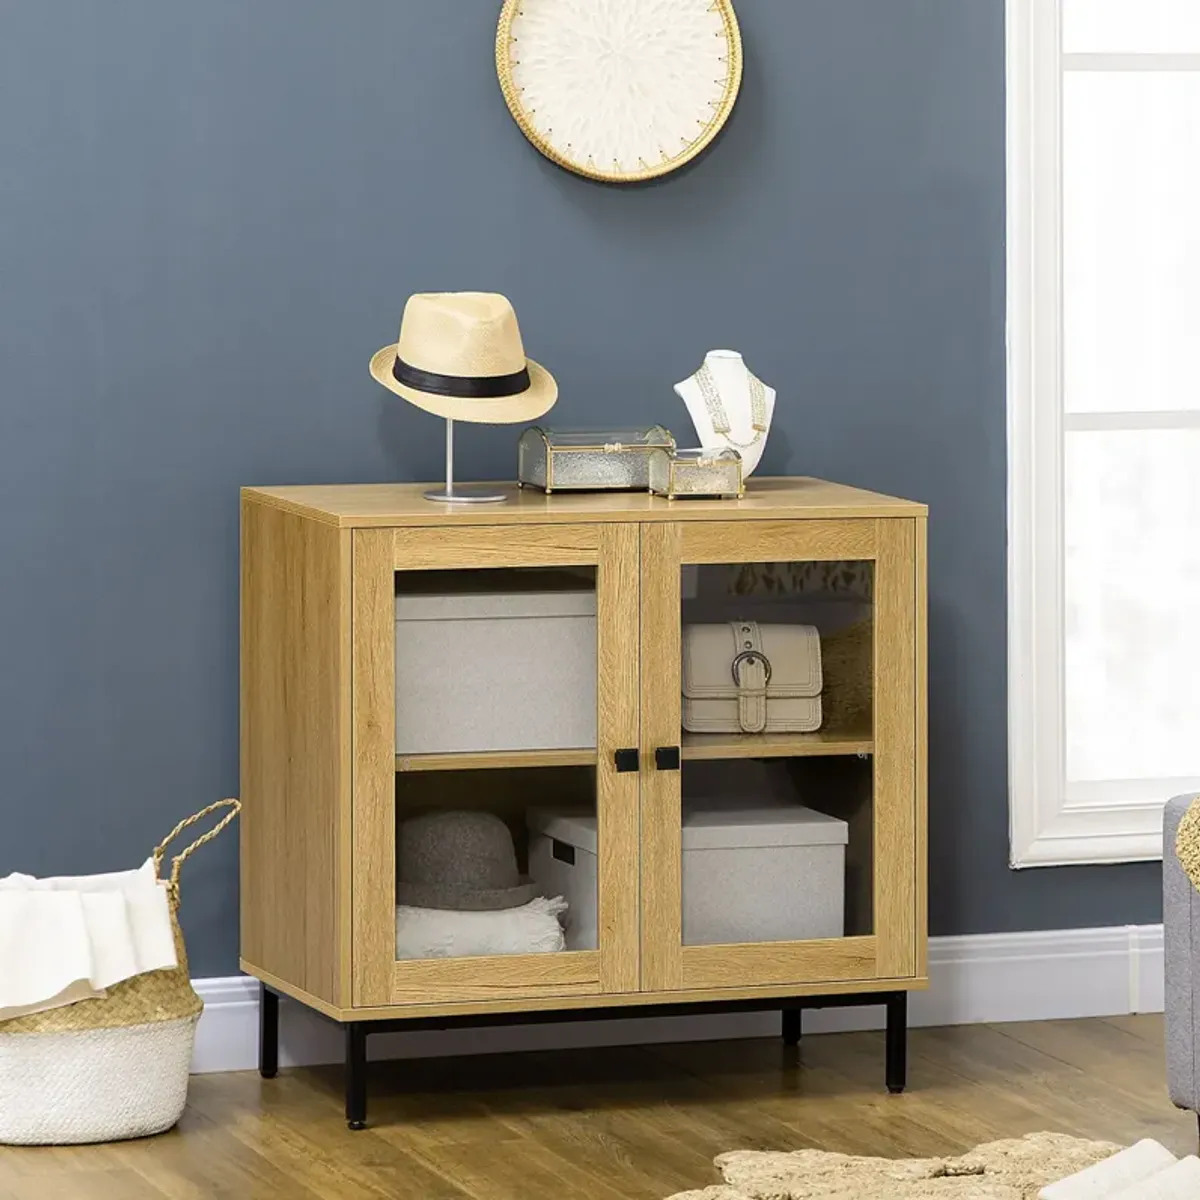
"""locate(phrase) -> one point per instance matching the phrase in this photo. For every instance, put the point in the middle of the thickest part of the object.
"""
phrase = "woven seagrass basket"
(113, 1067)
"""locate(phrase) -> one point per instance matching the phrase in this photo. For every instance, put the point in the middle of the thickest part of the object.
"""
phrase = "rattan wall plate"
(619, 90)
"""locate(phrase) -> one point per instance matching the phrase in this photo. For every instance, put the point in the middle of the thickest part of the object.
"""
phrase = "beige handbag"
(744, 677)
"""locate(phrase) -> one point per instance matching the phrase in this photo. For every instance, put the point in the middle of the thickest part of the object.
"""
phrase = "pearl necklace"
(718, 415)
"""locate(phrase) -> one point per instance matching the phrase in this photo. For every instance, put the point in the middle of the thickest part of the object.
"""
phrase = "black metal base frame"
(791, 1010)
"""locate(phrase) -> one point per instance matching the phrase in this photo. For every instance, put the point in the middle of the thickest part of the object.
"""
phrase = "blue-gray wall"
(211, 213)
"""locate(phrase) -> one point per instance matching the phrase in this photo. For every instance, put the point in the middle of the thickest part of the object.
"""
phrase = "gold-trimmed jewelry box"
(589, 460)
(713, 471)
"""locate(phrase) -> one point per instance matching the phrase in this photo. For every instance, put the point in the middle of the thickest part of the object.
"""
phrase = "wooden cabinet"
(323, 787)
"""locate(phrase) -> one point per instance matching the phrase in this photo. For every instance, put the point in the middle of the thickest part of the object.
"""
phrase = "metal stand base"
(452, 494)
(268, 1032)
(465, 495)
(791, 1008)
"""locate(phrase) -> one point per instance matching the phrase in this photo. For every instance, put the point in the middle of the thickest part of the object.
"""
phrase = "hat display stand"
(460, 356)
(460, 493)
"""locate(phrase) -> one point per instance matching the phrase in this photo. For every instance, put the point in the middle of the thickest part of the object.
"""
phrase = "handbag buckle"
(750, 656)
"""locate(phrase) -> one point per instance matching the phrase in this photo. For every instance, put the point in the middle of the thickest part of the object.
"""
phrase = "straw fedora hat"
(460, 355)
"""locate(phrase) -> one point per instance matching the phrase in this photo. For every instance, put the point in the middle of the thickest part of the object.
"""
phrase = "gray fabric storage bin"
(752, 872)
(495, 671)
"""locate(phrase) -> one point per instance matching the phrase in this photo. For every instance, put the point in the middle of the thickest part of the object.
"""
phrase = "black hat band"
(466, 387)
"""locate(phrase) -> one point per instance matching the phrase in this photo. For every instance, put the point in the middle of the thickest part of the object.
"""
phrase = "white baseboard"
(977, 978)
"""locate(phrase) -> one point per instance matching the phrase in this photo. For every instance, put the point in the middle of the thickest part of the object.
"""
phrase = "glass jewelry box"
(704, 472)
(559, 460)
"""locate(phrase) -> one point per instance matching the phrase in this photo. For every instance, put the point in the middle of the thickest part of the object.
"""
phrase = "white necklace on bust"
(716, 408)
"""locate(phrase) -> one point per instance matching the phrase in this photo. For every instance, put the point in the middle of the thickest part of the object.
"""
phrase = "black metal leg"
(897, 1041)
(356, 1075)
(792, 1018)
(268, 1032)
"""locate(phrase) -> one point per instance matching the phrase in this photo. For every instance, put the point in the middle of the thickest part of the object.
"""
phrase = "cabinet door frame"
(378, 978)
(895, 948)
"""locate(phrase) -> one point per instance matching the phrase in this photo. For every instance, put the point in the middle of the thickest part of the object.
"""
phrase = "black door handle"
(666, 758)
(627, 760)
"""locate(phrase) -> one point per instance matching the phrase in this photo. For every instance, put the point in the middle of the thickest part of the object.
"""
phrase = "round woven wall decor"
(619, 90)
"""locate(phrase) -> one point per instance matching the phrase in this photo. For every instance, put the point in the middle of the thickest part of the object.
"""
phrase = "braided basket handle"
(234, 806)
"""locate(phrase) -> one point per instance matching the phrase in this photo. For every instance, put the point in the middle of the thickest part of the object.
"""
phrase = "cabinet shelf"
(824, 743)
(484, 760)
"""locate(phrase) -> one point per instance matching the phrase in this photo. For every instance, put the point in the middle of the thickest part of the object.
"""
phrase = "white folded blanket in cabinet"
(532, 928)
(69, 938)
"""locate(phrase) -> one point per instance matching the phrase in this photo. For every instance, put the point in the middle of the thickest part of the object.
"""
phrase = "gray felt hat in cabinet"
(462, 861)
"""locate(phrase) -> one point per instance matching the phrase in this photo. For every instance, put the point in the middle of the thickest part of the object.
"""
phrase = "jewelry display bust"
(729, 406)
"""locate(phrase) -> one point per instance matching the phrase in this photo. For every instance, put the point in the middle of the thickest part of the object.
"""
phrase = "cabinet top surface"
(361, 505)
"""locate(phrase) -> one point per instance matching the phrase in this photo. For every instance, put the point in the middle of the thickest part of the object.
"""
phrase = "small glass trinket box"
(559, 460)
(704, 472)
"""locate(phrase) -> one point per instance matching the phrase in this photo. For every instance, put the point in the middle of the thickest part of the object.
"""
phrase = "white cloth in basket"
(532, 928)
(69, 938)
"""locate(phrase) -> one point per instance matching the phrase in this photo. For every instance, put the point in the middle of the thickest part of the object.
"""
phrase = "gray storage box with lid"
(752, 872)
(499, 670)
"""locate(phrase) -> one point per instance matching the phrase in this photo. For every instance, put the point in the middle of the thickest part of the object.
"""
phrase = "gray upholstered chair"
(1181, 934)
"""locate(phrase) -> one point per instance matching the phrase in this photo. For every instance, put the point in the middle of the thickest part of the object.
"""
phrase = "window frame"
(1051, 822)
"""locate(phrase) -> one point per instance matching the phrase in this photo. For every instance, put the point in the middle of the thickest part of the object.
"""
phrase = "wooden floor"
(626, 1124)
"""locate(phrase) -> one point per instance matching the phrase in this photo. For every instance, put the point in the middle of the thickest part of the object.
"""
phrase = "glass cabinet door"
(495, 821)
(781, 703)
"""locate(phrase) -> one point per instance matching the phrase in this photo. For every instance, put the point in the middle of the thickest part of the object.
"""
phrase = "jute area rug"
(1016, 1169)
